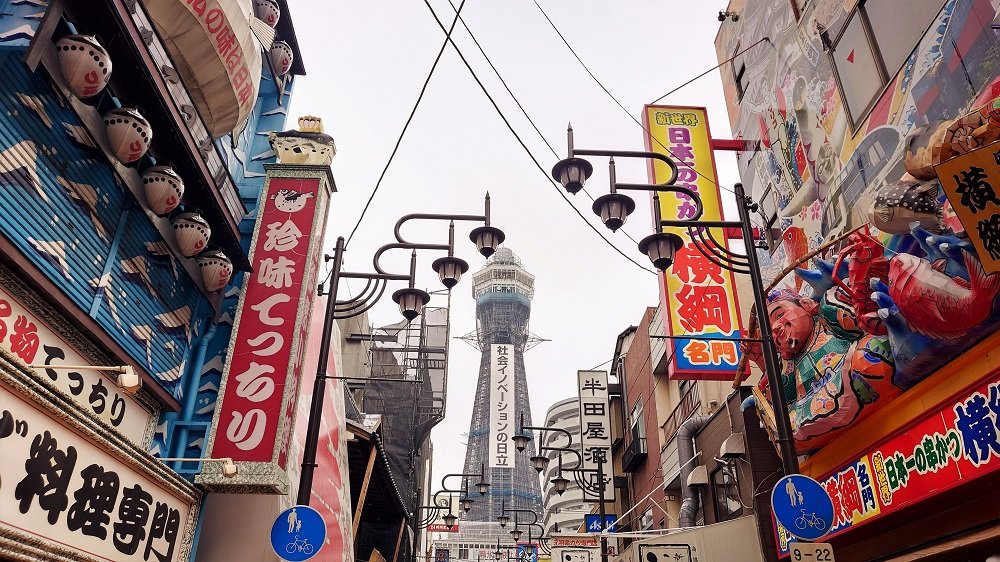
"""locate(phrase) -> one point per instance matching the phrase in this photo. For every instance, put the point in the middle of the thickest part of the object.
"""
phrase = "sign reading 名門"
(502, 423)
(253, 416)
(699, 296)
(595, 432)
(972, 183)
(950, 446)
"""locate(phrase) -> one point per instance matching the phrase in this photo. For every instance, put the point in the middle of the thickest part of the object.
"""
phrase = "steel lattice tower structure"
(503, 290)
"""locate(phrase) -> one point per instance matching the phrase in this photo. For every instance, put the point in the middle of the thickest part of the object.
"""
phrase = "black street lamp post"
(410, 300)
(661, 247)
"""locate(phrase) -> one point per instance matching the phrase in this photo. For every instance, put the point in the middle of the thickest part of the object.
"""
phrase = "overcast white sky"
(366, 62)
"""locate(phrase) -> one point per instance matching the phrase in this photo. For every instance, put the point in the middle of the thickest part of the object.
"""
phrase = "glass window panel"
(897, 31)
(859, 76)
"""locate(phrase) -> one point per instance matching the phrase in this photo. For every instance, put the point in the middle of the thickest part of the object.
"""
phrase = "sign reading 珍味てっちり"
(595, 432)
(61, 489)
(261, 374)
(698, 295)
(502, 423)
(955, 444)
(972, 183)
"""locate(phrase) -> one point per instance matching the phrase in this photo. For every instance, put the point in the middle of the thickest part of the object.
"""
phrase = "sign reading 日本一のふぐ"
(699, 297)
(955, 444)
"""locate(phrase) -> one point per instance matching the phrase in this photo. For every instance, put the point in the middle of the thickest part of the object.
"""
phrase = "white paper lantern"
(191, 232)
(268, 11)
(216, 270)
(85, 64)
(281, 57)
(164, 189)
(128, 133)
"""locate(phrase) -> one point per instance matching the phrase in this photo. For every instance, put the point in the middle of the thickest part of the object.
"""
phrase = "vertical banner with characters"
(502, 423)
(699, 297)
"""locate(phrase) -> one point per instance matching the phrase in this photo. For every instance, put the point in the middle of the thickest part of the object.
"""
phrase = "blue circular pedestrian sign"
(802, 506)
(298, 533)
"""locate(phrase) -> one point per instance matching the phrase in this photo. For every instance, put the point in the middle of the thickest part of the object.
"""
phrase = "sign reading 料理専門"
(951, 446)
(595, 432)
(699, 296)
(503, 426)
(972, 183)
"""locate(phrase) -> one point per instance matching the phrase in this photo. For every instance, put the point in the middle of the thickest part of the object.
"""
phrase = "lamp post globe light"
(410, 300)
(661, 247)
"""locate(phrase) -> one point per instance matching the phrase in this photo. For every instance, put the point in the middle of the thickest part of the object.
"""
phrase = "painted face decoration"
(792, 325)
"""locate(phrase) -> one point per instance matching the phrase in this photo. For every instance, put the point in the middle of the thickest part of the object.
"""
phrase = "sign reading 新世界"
(503, 426)
(31, 340)
(972, 183)
(595, 433)
(60, 488)
(950, 446)
(699, 297)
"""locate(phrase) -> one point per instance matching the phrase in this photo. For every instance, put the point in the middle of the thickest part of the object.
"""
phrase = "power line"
(523, 145)
(521, 107)
(730, 59)
(406, 125)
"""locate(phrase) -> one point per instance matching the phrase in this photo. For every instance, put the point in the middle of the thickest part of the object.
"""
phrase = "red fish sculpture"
(796, 246)
(936, 304)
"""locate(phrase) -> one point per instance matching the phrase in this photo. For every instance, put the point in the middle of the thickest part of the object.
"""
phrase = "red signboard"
(952, 446)
(258, 389)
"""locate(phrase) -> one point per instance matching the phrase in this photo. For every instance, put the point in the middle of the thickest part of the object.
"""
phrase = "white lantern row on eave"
(129, 134)
(191, 231)
(216, 269)
(85, 64)
(164, 189)
(281, 57)
(268, 11)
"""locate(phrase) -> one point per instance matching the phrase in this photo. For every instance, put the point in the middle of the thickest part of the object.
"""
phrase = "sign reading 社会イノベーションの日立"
(698, 296)
(503, 426)
(953, 445)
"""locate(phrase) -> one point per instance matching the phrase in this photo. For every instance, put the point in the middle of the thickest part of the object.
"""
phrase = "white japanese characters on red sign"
(595, 432)
(266, 347)
(502, 423)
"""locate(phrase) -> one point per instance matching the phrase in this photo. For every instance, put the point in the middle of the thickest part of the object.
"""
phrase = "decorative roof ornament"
(308, 145)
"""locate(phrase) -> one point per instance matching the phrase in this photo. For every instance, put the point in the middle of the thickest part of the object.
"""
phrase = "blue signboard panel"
(593, 522)
(802, 506)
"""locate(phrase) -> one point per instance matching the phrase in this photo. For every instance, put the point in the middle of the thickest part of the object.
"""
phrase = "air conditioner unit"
(698, 476)
(733, 446)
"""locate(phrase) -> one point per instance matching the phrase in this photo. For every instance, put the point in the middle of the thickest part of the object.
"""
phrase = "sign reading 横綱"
(503, 426)
(699, 296)
(26, 336)
(595, 432)
(972, 183)
(260, 380)
(62, 489)
(948, 447)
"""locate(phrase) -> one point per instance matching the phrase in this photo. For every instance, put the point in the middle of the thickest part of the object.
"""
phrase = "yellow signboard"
(972, 183)
(699, 296)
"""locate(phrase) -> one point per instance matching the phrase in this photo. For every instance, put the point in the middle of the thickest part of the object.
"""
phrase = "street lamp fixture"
(539, 462)
(521, 441)
(450, 519)
(450, 270)
(515, 534)
(487, 238)
(483, 486)
(614, 209)
(572, 173)
(411, 301)
(466, 503)
(503, 520)
(660, 248)
(559, 483)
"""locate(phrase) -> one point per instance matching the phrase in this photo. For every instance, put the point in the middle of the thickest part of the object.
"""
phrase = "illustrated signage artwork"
(957, 443)
(25, 336)
(61, 488)
(502, 423)
(665, 553)
(698, 295)
(298, 533)
(972, 183)
(802, 506)
(593, 522)
(267, 345)
(595, 432)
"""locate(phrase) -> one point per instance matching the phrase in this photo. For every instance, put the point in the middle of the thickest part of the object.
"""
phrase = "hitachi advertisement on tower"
(502, 423)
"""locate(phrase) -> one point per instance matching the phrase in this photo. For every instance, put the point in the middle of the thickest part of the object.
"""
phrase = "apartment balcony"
(634, 454)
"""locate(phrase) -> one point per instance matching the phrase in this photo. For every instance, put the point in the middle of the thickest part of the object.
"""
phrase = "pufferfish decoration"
(85, 64)
(164, 189)
(216, 269)
(192, 233)
(899, 205)
(128, 133)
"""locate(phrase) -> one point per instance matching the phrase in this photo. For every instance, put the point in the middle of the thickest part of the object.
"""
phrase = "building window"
(638, 426)
(727, 495)
(740, 77)
(873, 45)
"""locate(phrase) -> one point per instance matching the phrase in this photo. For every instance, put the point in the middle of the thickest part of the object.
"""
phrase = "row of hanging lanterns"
(280, 52)
(86, 67)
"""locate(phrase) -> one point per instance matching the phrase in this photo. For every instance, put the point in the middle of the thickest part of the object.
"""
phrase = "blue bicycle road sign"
(802, 507)
(298, 533)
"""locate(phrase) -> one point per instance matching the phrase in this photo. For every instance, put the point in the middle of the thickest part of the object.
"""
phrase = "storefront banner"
(972, 183)
(260, 380)
(595, 431)
(956, 444)
(503, 426)
(25, 336)
(60, 488)
(698, 295)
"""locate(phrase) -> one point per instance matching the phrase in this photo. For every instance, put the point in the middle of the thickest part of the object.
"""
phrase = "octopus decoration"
(890, 308)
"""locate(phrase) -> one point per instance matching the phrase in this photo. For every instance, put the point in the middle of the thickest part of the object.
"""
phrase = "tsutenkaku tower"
(503, 290)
